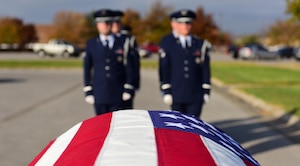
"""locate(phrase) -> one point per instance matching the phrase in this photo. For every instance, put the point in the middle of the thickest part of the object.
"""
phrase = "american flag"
(144, 137)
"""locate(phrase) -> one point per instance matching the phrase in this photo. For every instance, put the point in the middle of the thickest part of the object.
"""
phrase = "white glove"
(206, 98)
(126, 96)
(90, 99)
(168, 99)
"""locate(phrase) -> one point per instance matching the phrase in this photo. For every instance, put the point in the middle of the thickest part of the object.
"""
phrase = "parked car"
(297, 53)
(256, 51)
(56, 47)
(148, 49)
(286, 52)
(233, 51)
(10, 47)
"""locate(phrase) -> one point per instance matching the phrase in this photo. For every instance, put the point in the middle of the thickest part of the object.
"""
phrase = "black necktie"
(107, 44)
(186, 43)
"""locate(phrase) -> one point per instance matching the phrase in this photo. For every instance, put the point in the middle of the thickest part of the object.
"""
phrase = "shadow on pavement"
(10, 80)
(257, 137)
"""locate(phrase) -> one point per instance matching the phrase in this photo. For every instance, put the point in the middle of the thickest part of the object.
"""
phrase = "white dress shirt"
(109, 38)
(184, 39)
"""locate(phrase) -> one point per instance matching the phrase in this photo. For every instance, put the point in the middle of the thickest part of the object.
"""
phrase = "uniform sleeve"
(87, 72)
(136, 62)
(130, 67)
(206, 85)
(164, 69)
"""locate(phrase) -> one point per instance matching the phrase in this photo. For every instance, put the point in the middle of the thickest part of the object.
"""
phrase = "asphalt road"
(36, 106)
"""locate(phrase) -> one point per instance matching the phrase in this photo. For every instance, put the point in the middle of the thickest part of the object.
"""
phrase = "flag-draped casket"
(144, 137)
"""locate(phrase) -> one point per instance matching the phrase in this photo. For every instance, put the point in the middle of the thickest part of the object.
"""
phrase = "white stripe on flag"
(221, 155)
(58, 147)
(131, 134)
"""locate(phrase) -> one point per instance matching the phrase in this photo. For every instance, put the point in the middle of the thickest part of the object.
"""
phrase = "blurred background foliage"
(78, 27)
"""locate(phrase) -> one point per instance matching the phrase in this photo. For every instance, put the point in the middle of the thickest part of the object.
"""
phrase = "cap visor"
(184, 20)
(103, 19)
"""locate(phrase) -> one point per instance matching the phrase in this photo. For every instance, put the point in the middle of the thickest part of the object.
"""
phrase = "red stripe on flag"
(39, 156)
(87, 143)
(248, 163)
(176, 148)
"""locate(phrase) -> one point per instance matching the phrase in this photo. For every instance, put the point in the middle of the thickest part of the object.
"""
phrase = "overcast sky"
(234, 16)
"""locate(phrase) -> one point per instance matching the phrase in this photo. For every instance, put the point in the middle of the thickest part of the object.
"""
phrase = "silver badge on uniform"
(120, 58)
(198, 60)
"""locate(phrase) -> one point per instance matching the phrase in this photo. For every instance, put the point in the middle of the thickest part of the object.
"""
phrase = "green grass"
(277, 85)
(246, 73)
(149, 64)
(60, 63)
(287, 97)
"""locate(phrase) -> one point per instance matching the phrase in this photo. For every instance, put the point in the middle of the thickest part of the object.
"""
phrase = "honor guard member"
(130, 48)
(106, 78)
(184, 66)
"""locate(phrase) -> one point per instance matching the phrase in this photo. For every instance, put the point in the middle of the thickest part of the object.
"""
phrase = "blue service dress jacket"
(108, 72)
(184, 72)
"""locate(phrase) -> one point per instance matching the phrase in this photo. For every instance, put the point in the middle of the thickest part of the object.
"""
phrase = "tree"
(90, 29)
(10, 30)
(13, 31)
(69, 26)
(28, 34)
(156, 23)
(247, 39)
(293, 8)
(283, 32)
(205, 28)
(222, 38)
(132, 19)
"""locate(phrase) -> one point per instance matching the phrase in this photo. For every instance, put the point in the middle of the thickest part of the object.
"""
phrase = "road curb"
(265, 109)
